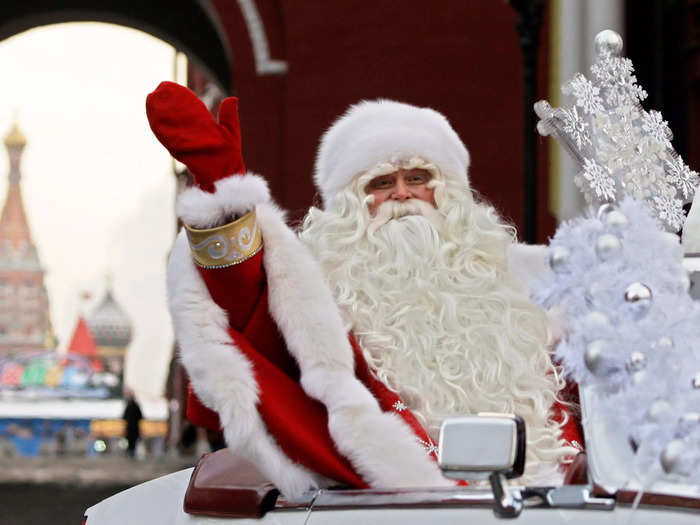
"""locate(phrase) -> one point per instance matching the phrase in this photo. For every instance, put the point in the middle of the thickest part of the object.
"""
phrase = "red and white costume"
(259, 332)
(260, 335)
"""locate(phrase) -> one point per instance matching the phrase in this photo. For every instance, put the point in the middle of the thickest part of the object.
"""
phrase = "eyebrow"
(381, 178)
(414, 172)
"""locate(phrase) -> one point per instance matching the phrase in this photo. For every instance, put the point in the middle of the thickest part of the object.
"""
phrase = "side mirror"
(475, 446)
(485, 446)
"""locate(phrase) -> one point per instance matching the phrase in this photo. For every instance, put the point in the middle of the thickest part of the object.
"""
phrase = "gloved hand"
(211, 149)
(183, 124)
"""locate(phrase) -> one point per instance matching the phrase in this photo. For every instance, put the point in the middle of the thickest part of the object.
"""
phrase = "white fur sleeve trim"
(380, 446)
(222, 376)
(234, 195)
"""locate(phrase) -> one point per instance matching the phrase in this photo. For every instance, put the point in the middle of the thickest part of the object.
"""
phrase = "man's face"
(400, 185)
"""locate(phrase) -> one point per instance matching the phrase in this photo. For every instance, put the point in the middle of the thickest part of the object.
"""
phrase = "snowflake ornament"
(670, 211)
(576, 127)
(616, 78)
(429, 446)
(399, 406)
(621, 149)
(681, 176)
(654, 124)
(599, 180)
(587, 95)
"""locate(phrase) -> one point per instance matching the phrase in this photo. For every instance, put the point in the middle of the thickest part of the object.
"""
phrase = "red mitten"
(184, 125)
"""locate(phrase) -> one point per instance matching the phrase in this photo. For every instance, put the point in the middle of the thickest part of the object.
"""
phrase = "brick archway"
(182, 23)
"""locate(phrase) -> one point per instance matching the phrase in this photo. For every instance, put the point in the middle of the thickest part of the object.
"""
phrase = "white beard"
(441, 323)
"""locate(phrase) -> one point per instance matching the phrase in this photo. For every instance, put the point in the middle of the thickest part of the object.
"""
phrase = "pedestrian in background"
(132, 416)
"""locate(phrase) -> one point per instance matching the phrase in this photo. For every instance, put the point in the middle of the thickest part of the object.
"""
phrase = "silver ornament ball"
(638, 293)
(658, 410)
(607, 246)
(616, 219)
(605, 209)
(594, 319)
(665, 343)
(639, 377)
(636, 362)
(558, 258)
(638, 296)
(608, 41)
(690, 418)
(594, 356)
(594, 291)
(671, 455)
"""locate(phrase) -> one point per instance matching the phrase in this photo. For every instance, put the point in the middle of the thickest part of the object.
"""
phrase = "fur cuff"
(383, 449)
(234, 196)
(222, 376)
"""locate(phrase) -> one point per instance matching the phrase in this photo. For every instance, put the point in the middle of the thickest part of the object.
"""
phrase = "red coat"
(282, 400)
(259, 333)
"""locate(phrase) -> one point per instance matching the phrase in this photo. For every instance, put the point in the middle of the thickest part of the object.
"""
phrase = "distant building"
(112, 331)
(70, 404)
(51, 403)
(25, 323)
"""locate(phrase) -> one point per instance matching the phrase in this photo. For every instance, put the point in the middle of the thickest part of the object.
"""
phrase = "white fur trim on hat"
(235, 195)
(372, 132)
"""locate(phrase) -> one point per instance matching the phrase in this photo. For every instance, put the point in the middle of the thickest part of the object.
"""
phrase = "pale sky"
(98, 188)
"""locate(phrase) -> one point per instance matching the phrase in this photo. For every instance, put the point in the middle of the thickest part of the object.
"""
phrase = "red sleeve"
(238, 290)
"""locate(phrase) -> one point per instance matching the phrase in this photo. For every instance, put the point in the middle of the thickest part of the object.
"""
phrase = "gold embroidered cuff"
(225, 245)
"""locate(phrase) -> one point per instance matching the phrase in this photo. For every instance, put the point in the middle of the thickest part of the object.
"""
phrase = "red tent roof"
(82, 342)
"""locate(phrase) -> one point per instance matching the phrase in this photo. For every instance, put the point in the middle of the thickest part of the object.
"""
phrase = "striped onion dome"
(109, 324)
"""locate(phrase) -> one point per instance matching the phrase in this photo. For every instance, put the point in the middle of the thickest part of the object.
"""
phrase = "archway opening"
(97, 188)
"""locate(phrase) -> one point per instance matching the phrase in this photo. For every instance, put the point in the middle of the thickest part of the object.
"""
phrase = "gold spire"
(15, 137)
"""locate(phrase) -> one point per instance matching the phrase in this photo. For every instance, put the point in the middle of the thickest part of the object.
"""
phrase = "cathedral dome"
(109, 324)
(15, 137)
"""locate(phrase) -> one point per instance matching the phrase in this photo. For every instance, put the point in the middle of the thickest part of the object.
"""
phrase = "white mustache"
(392, 209)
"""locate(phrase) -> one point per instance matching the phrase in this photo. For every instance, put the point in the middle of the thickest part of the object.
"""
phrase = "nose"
(401, 191)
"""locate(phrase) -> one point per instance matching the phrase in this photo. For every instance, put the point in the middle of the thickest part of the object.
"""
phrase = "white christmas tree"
(633, 336)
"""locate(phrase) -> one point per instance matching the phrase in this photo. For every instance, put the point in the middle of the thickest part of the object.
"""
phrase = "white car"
(225, 489)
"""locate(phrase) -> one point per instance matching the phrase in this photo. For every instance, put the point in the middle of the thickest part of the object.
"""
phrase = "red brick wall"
(459, 57)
